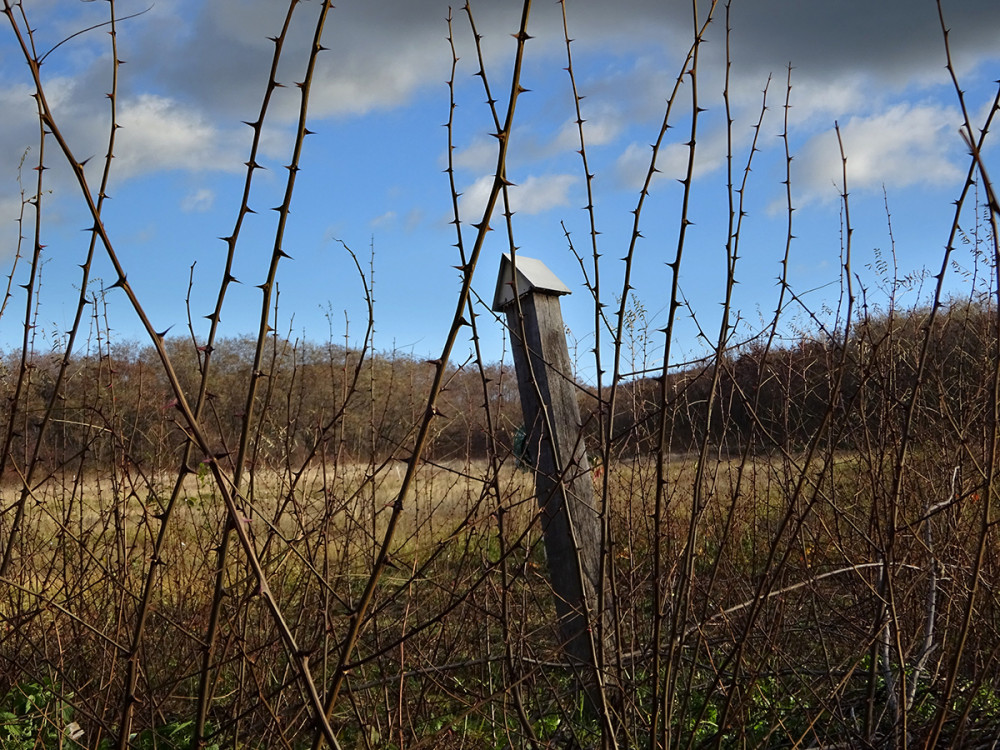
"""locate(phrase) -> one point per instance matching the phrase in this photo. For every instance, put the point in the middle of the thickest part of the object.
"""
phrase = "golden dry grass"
(773, 558)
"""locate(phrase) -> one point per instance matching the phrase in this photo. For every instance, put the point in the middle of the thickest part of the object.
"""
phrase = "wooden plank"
(554, 443)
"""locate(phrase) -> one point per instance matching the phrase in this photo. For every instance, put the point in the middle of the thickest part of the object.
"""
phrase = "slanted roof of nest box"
(532, 275)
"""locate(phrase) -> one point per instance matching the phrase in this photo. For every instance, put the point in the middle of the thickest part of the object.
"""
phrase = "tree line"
(116, 404)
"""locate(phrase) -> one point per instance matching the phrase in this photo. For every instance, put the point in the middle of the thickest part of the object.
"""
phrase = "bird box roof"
(532, 276)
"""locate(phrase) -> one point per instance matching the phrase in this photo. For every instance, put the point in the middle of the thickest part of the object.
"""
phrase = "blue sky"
(372, 175)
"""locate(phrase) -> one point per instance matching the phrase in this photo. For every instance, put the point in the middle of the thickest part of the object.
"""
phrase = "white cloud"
(387, 218)
(535, 195)
(195, 69)
(395, 221)
(198, 201)
(382, 53)
(632, 165)
(817, 101)
(902, 146)
(161, 133)
(478, 156)
(414, 218)
(10, 209)
(19, 134)
(365, 86)
(598, 130)
(539, 194)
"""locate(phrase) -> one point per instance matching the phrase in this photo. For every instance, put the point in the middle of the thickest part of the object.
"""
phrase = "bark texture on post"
(554, 444)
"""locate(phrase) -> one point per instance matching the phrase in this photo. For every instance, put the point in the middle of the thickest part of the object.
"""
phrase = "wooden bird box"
(532, 276)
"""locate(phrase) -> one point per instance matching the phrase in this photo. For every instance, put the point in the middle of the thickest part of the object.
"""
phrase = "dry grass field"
(258, 542)
(785, 624)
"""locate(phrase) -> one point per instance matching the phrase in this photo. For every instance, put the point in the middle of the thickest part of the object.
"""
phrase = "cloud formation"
(198, 200)
(535, 195)
(194, 70)
(162, 134)
(902, 146)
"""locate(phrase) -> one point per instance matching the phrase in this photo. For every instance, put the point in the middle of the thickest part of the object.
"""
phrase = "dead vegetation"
(256, 543)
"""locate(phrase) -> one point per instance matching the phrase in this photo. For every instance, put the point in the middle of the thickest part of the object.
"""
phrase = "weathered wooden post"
(529, 296)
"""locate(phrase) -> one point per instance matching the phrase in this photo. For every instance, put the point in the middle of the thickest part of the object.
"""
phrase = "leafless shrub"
(260, 541)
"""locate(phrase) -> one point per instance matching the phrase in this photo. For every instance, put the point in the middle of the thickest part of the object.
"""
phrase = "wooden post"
(555, 447)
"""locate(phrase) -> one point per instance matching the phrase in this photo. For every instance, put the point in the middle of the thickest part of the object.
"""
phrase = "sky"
(373, 179)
